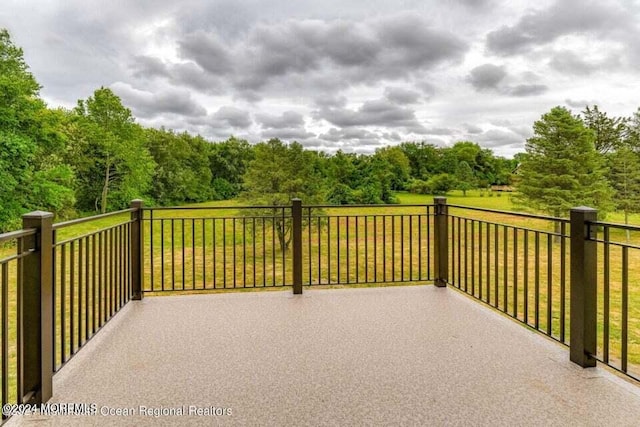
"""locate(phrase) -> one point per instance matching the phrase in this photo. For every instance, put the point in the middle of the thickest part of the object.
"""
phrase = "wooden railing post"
(296, 213)
(582, 345)
(36, 305)
(137, 249)
(441, 242)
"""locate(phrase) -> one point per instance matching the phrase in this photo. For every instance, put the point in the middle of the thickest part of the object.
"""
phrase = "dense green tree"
(377, 178)
(228, 161)
(109, 153)
(343, 169)
(182, 173)
(341, 194)
(397, 165)
(19, 90)
(32, 172)
(441, 184)
(561, 168)
(423, 158)
(16, 153)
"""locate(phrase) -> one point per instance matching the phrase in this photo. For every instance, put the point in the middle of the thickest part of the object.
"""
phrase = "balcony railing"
(571, 279)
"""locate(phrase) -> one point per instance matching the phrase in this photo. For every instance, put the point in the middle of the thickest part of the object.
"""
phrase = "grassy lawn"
(217, 249)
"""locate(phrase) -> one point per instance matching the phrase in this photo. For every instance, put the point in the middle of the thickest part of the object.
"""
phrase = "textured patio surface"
(376, 356)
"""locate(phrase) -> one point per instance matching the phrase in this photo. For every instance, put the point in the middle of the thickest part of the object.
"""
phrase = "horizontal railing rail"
(94, 218)
(510, 213)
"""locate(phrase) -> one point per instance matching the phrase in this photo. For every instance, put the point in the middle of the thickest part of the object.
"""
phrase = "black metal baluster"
(624, 355)
(606, 296)
(505, 235)
(526, 277)
(515, 272)
(549, 284)
(563, 275)
(537, 280)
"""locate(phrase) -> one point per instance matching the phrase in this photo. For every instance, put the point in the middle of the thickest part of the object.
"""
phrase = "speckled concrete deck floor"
(376, 356)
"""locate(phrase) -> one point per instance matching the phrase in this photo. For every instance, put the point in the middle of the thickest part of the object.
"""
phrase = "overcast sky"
(337, 74)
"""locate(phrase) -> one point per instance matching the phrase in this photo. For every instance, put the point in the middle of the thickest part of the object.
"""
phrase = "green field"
(187, 261)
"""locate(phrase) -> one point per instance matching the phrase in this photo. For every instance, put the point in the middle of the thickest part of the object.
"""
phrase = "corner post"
(137, 249)
(36, 323)
(296, 213)
(441, 242)
(583, 303)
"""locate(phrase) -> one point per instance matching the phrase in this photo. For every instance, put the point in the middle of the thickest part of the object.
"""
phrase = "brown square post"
(441, 242)
(583, 303)
(137, 249)
(296, 213)
(36, 323)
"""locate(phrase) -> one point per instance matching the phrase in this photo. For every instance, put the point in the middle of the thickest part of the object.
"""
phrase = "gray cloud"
(487, 76)
(373, 113)
(187, 74)
(352, 140)
(472, 129)
(288, 134)
(562, 17)
(337, 135)
(332, 53)
(288, 119)
(392, 136)
(498, 137)
(476, 4)
(206, 50)
(579, 103)
(147, 105)
(327, 100)
(571, 63)
(231, 116)
(524, 131)
(439, 131)
(147, 66)
(401, 96)
(527, 90)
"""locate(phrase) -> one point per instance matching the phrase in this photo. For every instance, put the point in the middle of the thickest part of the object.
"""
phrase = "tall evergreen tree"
(561, 168)
(608, 131)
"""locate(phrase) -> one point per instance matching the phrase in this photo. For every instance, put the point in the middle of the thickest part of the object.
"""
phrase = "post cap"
(439, 199)
(583, 209)
(37, 214)
(135, 203)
